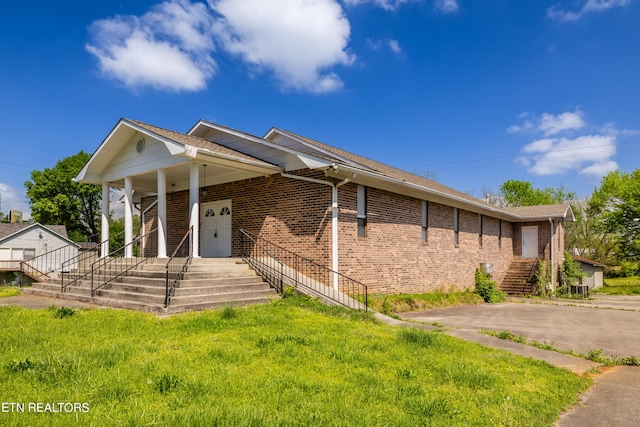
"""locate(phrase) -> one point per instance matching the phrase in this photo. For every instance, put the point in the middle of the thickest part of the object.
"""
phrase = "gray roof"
(202, 143)
(7, 230)
(562, 210)
(534, 212)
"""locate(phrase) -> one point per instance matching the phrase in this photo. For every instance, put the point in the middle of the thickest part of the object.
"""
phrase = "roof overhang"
(175, 159)
(377, 180)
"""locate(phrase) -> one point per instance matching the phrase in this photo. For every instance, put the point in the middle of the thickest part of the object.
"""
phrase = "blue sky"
(472, 93)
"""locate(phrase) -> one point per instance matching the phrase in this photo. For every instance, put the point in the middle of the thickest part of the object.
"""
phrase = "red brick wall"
(391, 259)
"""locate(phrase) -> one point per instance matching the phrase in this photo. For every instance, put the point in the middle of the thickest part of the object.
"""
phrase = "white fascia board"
(309, 158)
(173, 147)
(195, 152)
(456, 201)
(82, 175)
(314, 147)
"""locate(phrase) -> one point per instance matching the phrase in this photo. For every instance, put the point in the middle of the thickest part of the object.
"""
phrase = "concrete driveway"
(609, 323)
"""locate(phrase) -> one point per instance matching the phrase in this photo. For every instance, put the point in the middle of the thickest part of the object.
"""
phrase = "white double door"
(215, 229)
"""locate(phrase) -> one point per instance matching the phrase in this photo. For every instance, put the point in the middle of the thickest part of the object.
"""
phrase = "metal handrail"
(116, 264)
(271, 269)
(172, 272)
(277, 264)
(80, 262)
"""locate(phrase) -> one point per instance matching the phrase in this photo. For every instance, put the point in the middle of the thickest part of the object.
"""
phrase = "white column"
(194, 208)
(128, 216)
(104, 237)
(162, 213)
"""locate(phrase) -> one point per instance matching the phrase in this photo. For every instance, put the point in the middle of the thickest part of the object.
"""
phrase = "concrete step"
(222, 289)
(138, 297)
(213, 305)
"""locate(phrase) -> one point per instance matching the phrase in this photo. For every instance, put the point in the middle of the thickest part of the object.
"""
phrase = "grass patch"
(594, 354)
(620, 286)
(403, 303)
(9, 291)
(290, 362)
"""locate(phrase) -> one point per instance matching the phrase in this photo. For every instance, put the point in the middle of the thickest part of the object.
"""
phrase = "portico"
(148, 161)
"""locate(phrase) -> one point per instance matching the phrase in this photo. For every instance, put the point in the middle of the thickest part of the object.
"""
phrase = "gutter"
(334, 214)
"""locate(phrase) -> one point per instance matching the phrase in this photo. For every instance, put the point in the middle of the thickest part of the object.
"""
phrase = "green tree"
(586, 237)
(522, 193)
(617, 203)
(56, 199)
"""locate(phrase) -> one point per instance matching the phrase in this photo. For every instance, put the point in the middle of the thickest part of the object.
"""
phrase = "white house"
(23, 242)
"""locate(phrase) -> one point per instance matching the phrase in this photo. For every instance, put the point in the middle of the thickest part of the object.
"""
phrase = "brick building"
(387, 228)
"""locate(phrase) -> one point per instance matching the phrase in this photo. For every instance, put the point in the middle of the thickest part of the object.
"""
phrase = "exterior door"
(215, 229)
(530, 241)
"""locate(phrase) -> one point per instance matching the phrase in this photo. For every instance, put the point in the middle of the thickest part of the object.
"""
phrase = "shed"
(594, 272)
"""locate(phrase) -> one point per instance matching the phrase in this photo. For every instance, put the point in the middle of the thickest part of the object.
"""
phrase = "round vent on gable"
(140, 145)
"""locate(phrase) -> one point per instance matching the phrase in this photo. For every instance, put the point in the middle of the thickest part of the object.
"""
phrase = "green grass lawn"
(402, 303)
(293, 362)
(9, 291)
(621, 286)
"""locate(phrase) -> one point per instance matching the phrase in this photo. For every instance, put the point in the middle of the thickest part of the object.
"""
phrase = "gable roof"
(194, 141)
(9, 231)
(542, 212)
(339, 156)
(588, 261)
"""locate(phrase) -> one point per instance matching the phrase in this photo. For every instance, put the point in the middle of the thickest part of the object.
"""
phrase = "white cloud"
(172, 46)
(586, 153)
(167, 48)
(13, 199)
(555, 12)
(446, 6)
(392, 44)
(549, 124)
(385, 4)
(299, 40)
(395, 46)
(553, 124)
(442, 6)
(600, 169)
(568, 143)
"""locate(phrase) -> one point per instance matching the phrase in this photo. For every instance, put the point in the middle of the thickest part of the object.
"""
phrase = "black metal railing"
(177, 266)
(79, 267)
(281, 268)
(49, 262)
(116, 264)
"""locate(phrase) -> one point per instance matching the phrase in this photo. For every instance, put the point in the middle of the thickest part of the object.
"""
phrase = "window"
(456, 226)
(499, 234)
(29, 254)
(361, 203)
(480, 230)
(425, 221)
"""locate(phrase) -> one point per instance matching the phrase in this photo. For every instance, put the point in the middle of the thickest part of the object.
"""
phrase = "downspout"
(553, 266)
(334, 216)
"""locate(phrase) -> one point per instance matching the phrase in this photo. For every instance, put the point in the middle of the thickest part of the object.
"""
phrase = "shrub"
(487, 288)
(62, 312)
